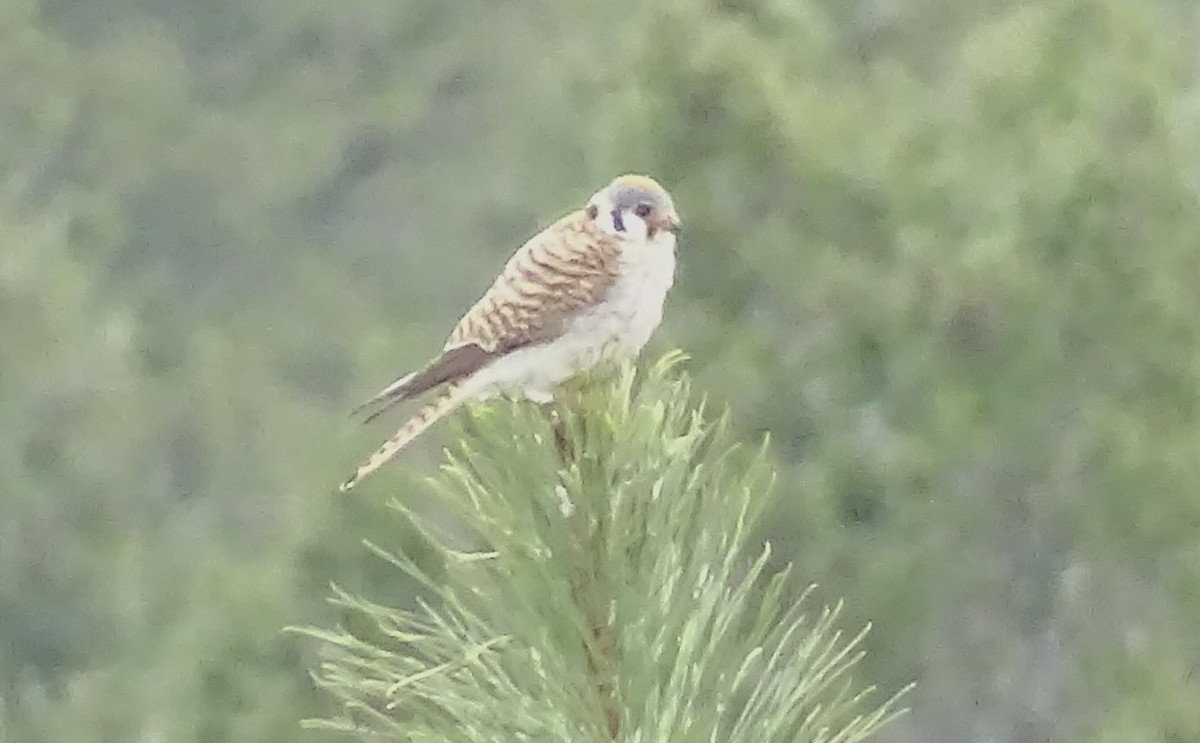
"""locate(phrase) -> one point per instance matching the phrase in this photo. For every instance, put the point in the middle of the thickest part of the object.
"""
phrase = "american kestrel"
(587, 290)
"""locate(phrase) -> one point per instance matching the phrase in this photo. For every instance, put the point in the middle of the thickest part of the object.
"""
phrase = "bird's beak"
(672, 224)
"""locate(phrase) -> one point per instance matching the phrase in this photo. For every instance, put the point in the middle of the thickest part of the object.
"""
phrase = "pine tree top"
(594, 581)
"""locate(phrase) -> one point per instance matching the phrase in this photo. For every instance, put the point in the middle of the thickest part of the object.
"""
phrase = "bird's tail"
(385, 398)
(451, 396)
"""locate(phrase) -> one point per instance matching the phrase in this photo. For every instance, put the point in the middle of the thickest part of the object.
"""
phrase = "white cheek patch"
(624, 224)
(635, 227)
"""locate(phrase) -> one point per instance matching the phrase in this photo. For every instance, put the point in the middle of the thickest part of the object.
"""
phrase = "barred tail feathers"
(450, 398)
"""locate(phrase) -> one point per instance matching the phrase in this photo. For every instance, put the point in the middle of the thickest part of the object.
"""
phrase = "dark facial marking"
(591, 211)
(618, 221)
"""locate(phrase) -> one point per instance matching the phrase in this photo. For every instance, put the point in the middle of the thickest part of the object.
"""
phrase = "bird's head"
(634, 207)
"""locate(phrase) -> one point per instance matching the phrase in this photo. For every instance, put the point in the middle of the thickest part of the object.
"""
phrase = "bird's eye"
(642, 210)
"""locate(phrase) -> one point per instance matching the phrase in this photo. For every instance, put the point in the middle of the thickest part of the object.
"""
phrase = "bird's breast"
(632, 309)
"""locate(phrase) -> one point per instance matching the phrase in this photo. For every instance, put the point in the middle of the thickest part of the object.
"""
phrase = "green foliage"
(942, 250)
(590, 581)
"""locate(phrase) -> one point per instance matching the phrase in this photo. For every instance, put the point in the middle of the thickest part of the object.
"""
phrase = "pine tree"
(595, 583)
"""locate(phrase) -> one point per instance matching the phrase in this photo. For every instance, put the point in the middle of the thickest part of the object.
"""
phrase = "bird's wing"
(452, 363)
(559, 272)
(568, 267)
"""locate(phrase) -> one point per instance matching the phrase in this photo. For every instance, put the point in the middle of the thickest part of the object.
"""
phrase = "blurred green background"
(947, 252)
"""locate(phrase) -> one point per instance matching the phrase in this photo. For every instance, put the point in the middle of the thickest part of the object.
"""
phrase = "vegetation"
(590, 581)
(943, 252)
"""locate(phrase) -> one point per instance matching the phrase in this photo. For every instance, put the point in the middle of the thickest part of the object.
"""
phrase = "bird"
(586, 291)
